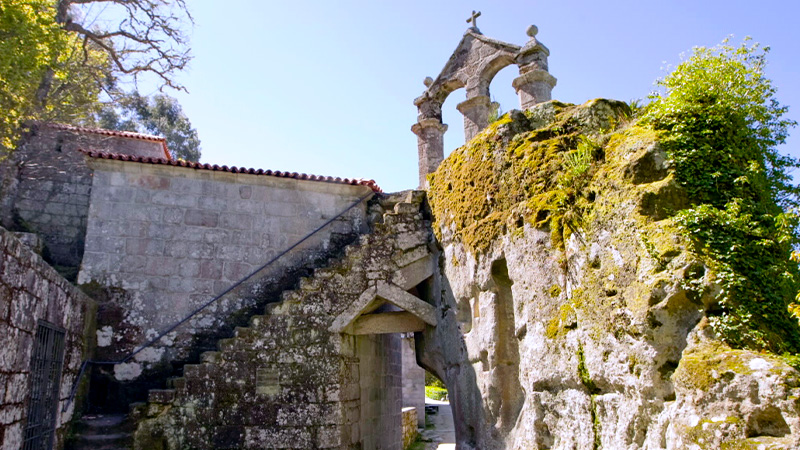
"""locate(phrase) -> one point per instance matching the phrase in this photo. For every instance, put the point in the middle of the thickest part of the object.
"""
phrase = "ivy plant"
(721, 126)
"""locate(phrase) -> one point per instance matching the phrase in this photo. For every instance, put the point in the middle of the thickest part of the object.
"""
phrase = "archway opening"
(454, 137)
(501, 90)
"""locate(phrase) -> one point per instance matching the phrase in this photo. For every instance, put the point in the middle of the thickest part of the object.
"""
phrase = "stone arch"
(490, 69)
(473, 65)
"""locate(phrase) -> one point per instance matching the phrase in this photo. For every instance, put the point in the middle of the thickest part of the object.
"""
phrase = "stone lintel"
(411, 303)
(391, 293)
(388, 322)
(355, 308)
(424, 124)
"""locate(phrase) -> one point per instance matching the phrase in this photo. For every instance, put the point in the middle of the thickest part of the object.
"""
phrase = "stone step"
(99, 424)
(308, 284)
(102, 432)
(115, 441)
(162, 396)
(210, 356)
(176, 383)
(406, 208)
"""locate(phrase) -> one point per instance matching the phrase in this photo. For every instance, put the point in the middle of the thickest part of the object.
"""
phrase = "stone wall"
(162, 240)
(291, 379)
(410, 431)
(413, 379)
(47, 183)
(31, 291)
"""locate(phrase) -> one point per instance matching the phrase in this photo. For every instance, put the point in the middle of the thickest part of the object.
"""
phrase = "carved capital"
(535, 76)
(479, 101)
(424, 124)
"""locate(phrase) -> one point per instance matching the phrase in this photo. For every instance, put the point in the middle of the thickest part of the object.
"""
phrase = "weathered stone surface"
(167, 239)
(32, 291)
(599, 340)
(292, 380)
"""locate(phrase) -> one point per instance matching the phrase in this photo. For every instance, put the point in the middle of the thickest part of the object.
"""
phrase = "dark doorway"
(46, 365)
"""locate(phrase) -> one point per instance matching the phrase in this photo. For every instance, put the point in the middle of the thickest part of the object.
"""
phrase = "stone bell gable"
(474, 63)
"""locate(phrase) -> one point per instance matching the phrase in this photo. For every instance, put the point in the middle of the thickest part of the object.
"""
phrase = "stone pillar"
(413, 379)
(430, 146)
(535, 84)
(476, 115)
(534, 87)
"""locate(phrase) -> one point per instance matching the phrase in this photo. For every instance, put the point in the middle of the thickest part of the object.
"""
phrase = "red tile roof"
(115, 133)
(233, 169)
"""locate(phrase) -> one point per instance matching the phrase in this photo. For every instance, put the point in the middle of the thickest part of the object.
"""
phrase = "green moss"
(513, 173)
(583, 372)
(554, 291)
(710, 364)
(563, 321)
(704, 433)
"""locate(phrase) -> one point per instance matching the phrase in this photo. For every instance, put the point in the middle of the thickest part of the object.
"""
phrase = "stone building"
(150, 303)
(246, 308)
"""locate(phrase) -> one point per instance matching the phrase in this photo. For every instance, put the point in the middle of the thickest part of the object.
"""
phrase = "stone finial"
(534, 85)
(428, 81)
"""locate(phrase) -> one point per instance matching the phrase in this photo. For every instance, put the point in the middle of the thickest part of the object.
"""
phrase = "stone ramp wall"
(287, 381)
(30, 291)
(163, 240)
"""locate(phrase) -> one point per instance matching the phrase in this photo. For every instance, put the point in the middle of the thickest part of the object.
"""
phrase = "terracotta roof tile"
(115, 133)
(233, 169)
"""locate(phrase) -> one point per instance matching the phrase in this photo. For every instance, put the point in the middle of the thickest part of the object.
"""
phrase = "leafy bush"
(432, 380)
(435, 393)
(721, 126)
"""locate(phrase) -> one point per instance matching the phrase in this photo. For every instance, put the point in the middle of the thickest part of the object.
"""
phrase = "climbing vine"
(721, 126)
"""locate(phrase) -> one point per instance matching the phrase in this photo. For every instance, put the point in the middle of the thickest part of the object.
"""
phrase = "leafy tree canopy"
(161, 115)
(45, 73)
(721, 125)
(58, 57)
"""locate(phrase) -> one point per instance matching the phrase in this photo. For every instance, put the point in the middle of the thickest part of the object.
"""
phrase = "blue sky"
(327, 87)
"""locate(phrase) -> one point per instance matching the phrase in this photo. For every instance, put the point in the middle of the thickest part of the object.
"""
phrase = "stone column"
(430, 146)
(535, 84)
(476, 115)
(534, 87)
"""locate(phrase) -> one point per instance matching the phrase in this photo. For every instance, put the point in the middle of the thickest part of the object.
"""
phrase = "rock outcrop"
(573, 311)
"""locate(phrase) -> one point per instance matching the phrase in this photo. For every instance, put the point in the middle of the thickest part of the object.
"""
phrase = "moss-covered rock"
(606, 291)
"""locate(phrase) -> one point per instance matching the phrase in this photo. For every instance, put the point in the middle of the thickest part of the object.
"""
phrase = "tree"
(145, 37)
(721, 126)
(58, 56)
(34, 48)
(161, 115)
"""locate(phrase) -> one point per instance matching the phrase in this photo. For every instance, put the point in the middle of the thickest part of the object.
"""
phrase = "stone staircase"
(290, 379)
(102, 432)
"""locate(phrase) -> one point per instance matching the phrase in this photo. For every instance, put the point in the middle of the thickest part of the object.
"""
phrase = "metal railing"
(177, 324)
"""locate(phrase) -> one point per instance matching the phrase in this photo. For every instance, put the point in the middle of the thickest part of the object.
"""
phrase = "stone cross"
(474, 19)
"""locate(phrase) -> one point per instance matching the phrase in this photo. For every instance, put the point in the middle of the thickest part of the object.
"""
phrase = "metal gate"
(46, 365)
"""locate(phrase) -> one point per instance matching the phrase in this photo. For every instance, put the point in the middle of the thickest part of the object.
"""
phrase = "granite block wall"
(46, 185)
(30, 291)
(413, 379)
(164, 240)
